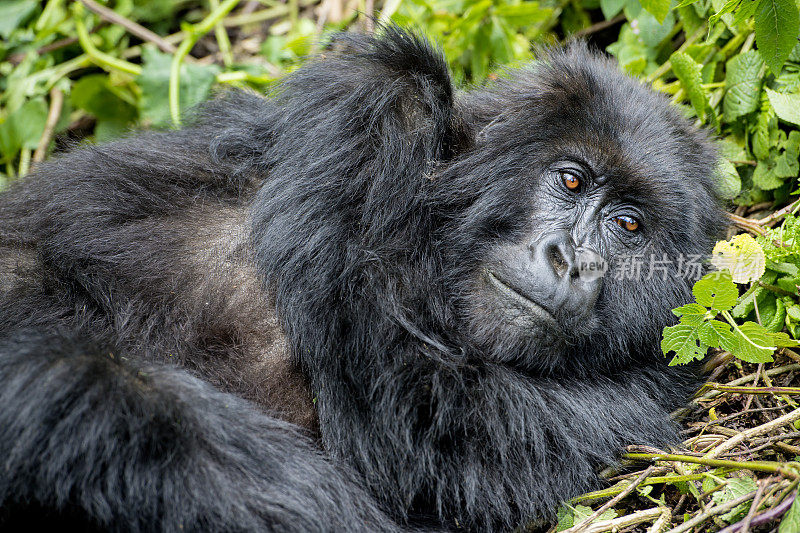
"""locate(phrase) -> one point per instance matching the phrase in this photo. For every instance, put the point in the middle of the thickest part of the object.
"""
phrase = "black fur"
(370, 195)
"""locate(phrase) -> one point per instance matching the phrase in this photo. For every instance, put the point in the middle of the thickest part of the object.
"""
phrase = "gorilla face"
(599, 177)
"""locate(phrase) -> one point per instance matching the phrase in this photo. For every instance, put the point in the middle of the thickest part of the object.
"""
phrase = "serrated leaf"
(765, 126)
(707, 334)
(791, 520)
(742, 256)
(726, 337)
(742, 85)
(682, 339)
(744, 12)
(716, 291)
(689, 72)
(765, 177)
(735, 488)
(782, 340)
(786, 106)
(693, 314)
(777, 26)
(755, 344)
(658, 8)
(786, 164)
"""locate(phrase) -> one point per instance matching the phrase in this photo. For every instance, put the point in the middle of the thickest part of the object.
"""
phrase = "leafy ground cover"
(89, 70)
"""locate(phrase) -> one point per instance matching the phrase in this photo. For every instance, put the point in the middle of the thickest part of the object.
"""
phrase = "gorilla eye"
(571, 181)
(627, 223)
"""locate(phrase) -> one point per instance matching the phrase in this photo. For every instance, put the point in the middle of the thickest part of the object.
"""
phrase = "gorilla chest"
(237, 343)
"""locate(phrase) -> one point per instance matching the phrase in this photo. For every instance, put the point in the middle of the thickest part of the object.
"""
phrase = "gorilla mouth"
(516, 296)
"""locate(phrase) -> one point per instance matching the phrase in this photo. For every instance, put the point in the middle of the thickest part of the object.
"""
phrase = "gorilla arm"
(86, 434)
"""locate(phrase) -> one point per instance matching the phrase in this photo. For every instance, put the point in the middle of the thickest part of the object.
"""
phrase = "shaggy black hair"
(147, 284)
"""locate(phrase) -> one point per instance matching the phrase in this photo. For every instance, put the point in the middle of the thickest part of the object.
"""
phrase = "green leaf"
(114, 115)
(524, 14)
(777, 26)
(735, 488)
(726, 337)
(729, 184)
(611, 8)
(786, 106)
(684, 340)
(786, 164)
(728, 7)
(742, 85)
(716, 291)
(690, 73)
(30, 120)
(765, 128)
(692, 314)
(744, 12)
(707, 334)
(569, 516)
(653, 31)
(659, 8)
(782, 340)
(13, 13)
(195, 85)
(755, 343)
(23, 128)
(791, 520)
(764, 176)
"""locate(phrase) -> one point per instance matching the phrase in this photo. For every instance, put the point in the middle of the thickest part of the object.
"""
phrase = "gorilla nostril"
(556, 258)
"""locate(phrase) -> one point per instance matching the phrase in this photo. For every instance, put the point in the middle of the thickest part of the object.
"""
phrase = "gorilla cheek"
(505, 329)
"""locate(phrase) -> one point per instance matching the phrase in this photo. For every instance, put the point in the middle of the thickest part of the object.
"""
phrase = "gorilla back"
(357, 303)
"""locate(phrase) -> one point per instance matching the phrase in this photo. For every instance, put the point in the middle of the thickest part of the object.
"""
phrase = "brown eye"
(571, 181)
(628, 223)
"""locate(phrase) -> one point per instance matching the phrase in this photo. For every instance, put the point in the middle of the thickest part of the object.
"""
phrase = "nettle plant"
(750, 326)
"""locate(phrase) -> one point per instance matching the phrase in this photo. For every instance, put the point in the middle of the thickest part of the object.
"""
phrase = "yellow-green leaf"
(742, 256)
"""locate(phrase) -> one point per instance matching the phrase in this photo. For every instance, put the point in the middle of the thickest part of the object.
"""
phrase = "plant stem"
(193, 34)
(101, 59)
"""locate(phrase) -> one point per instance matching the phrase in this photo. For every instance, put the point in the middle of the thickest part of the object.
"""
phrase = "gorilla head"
(577, 171)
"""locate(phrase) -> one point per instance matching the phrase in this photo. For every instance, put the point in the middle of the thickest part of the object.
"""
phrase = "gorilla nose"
(558, 250)
(573, 274)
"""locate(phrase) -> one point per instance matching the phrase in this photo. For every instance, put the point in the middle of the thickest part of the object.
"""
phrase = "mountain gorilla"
(356, 304)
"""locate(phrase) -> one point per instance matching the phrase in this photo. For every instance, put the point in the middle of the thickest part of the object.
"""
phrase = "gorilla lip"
(506, 289)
